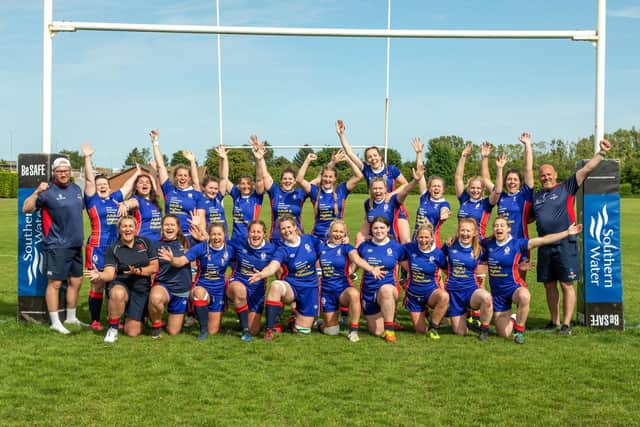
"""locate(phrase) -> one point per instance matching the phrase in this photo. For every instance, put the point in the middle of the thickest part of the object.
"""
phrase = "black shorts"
(559, 262)
(137, 301)
(62, 263)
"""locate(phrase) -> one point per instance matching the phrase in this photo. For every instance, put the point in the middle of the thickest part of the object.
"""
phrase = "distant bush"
(8, 185)
(625, 189)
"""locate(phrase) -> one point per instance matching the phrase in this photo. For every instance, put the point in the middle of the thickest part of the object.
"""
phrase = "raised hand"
(312, 157)
(189, 155)
(417, 144)
(418, 172)
(525, 138)
(221, 150)
(340, 127)
(165, 254)
(501, 160)
(605, 145)
(485, 149)
(154, 134)
(86, 149)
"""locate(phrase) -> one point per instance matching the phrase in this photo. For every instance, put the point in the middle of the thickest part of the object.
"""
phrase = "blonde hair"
(475, 240)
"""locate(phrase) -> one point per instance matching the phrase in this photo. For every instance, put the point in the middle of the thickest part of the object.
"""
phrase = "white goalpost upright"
(51, 27)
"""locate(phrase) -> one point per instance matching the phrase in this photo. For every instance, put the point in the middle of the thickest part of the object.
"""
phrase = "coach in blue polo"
(554, 210)
(61, 204)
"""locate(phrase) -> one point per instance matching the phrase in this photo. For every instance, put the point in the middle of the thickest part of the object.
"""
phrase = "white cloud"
(632, 12)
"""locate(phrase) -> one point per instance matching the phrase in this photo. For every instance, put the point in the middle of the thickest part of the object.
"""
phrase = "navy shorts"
(370, 301)
(331, 299)
(416, 302)
(94, 256)
(559, 262)
(217, 299)
(137, 301)
(502, 298)
(63, 263)
(177, 301)
(306, 299)
(459, 301)
(255, 295)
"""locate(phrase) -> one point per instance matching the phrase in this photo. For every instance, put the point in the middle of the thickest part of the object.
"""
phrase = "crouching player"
(337, 289)
(423, 263)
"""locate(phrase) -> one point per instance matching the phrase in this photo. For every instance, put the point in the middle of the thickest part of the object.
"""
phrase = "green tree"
(240, 163)
(442, 157)
(140, 156)
(178, 159)
(75, 158)
(301, 155)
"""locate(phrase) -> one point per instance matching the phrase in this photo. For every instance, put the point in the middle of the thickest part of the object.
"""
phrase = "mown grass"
(587, 379)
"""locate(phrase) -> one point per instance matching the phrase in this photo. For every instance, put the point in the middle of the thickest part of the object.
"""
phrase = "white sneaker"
(61, 329)
(353, 336)
(112, 335)
(76, 322)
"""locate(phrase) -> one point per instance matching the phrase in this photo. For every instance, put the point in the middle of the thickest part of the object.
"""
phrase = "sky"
(111, 88)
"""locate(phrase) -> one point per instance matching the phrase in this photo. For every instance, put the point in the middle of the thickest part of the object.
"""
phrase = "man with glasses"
(61, 204)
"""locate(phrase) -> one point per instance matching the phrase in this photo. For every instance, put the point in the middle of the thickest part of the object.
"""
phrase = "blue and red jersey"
(250, 259)
(149, 218)
(298, 263)
(328, 206)
(424, 267)
(181, 202)
(517, 207)
(502, 261)
(245, 210)
(389, 172)
(175, 279)
(429, 212)
(62, 222)
(103, 216)
(214, 210)
(461, 267)
(554, 209)
(334, 262)
(285, 203)
(390, 210)
(385, 255)
(212, 264)
(478, 209)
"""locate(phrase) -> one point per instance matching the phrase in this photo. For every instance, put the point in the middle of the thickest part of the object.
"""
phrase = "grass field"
(590, 378)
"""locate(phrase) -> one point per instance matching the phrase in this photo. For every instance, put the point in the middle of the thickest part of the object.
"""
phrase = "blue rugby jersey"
(103, 216)
(390, 210)
(181, 203)
(212, 264)
(386, 256)
(479, 209)
(245, 210)
(214, 210)
(429, 212)
(250, 260)
(461, 267)
(517, 207)
(285, 203)
(424, 267)
(62, 222)
(149, 218)
(299, 262)
(324, 206)
(502, 261)
(554, 209)
(334, 261)
(389, 172)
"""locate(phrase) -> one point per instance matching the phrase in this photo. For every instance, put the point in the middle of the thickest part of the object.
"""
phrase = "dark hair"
(288, 170)
(517, 172)
(153, 196)
(100, 176)
(181, 238)
(181, 166)
(381, 219)
(207, 179)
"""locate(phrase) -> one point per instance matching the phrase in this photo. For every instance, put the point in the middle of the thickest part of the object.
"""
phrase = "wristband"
(602, 154)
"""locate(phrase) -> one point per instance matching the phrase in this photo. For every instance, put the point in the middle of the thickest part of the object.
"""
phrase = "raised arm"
(261, 164)
(525, 138)
(554, 237)
(496, 190)
(193, 168)
(258, 153)
(304, 184)
(459, 175)
(225, 184)
(485, 151)
(127, 187)
(157, 155)
(29, 204)
(340, 128)
(418, 173)
(584, 171)
(418, 147)
(356, 173)
(89, 173)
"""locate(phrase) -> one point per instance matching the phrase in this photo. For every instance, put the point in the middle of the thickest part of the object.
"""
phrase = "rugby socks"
(518, 328)
(243, 316)
(388, 326)
(484, 326)
(274, 310)
(114, 323)
(71, 315)
(354, 327)
(95, 305)
(433, 325)
(344, 315)
(202, 313)
(56, 324)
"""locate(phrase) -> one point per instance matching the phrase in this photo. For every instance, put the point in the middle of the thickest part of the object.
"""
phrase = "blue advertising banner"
(31, 278)
(602, 255)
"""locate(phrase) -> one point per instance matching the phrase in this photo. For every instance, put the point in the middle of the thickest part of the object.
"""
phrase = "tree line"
(441, 156)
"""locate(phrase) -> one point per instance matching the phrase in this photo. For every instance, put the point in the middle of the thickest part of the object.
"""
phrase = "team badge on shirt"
(389, 251)
(307, 247)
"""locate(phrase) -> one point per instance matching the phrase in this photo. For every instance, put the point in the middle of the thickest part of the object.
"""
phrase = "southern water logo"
(33, 256)
(603, 252)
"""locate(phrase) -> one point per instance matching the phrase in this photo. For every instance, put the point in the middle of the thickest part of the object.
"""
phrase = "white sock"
(71, 315)
(55, 319)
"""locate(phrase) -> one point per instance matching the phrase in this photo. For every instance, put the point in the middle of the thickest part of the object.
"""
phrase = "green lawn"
(587, 379)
